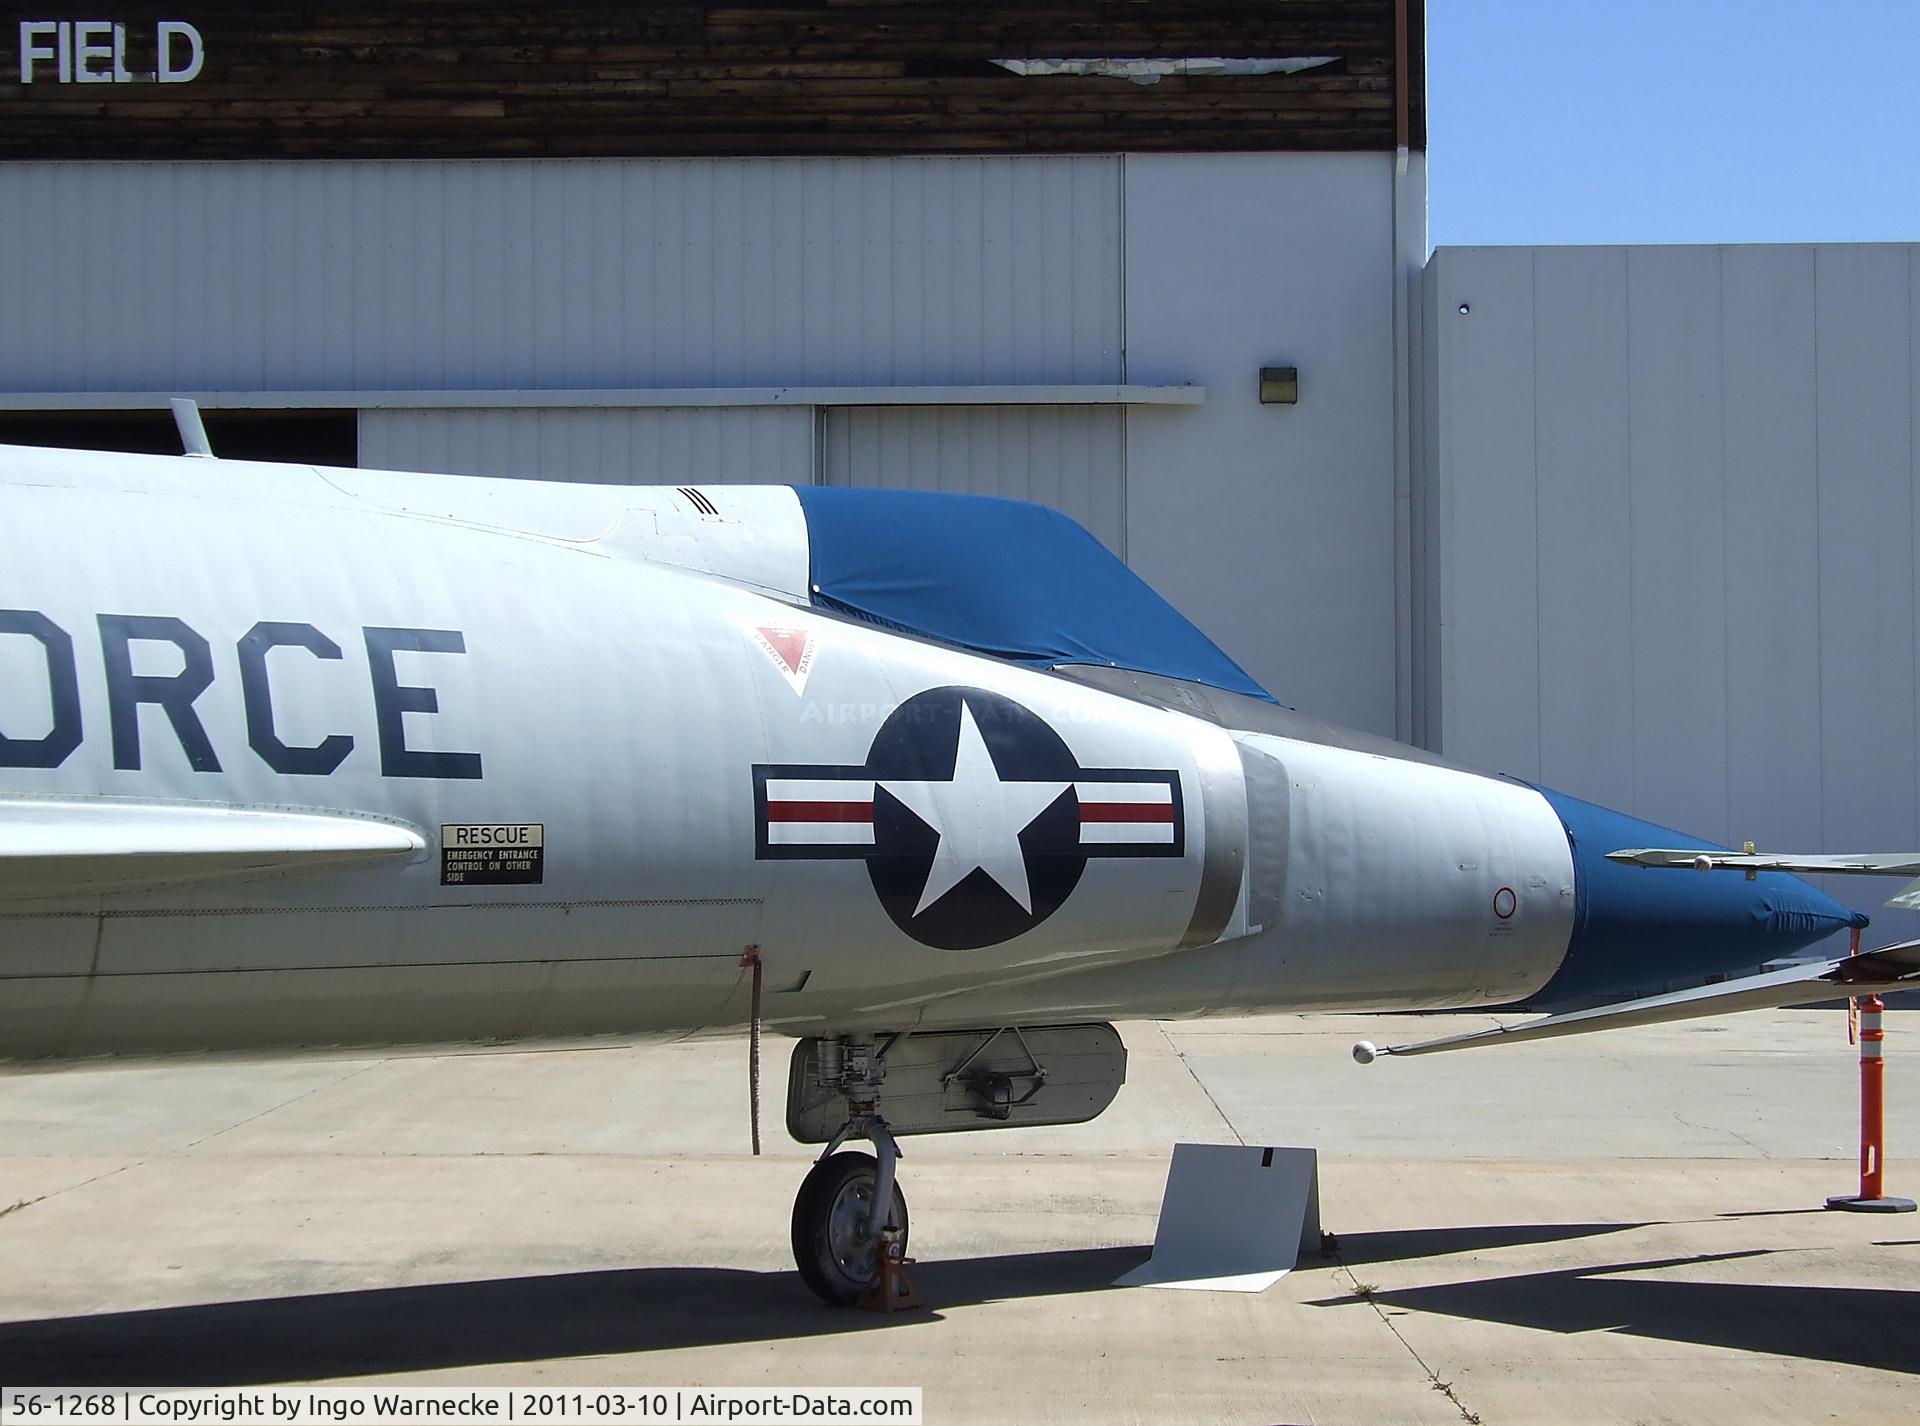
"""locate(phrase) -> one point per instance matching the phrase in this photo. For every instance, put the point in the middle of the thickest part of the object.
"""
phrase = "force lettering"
(177, 696)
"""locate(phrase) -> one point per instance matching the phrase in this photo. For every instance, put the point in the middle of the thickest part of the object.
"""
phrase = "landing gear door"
(949, 1081)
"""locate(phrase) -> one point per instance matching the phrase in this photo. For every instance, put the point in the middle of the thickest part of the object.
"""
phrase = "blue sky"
(1689, 121)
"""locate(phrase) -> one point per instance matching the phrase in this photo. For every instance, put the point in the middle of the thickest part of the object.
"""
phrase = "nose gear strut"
(850, 1217)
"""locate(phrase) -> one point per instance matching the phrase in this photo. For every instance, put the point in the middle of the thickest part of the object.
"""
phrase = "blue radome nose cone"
(1641, 931)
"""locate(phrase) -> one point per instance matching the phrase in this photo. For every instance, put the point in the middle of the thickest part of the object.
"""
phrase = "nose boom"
(1641, 931)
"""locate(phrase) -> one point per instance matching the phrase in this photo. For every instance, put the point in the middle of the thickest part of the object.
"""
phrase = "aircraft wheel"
(830, 1244)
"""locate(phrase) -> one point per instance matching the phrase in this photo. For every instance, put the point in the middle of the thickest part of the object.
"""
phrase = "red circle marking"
(1504, 903)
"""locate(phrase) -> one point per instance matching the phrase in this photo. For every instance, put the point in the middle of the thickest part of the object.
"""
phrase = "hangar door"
(1072, 458)
(706, 445)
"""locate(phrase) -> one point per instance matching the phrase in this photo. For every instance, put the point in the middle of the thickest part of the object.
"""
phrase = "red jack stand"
(1872, 1197)
(891, 1289)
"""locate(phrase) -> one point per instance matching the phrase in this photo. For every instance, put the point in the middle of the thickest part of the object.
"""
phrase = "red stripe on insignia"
(1126, 812)
(819, 811)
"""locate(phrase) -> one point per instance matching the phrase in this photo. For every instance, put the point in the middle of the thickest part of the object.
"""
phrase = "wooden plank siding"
(452, 78)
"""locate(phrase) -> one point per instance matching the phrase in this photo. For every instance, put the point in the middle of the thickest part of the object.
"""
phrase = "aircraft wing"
(1843, 863)
(1889, 969)
(51, 847)
(1858, 863)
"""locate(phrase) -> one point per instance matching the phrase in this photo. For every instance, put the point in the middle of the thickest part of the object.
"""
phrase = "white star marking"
(979, 819)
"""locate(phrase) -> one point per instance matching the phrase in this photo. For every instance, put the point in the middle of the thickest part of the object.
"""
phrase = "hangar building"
(1639, 523)
(940, 246)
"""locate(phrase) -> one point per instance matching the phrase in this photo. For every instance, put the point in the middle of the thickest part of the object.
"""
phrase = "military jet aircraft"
(294, 757)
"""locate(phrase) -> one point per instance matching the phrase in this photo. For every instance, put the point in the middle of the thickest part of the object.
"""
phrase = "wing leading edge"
(52, 848)
(1905, 864)
(1881, 972)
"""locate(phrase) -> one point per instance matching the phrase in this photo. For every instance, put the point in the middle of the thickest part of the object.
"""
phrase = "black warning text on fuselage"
(176, 695)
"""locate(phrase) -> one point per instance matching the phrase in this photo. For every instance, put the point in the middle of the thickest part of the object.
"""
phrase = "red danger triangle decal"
(789, 646)
(789, 649)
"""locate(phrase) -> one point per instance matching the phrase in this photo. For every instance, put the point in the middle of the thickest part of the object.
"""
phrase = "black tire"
(835, 1190)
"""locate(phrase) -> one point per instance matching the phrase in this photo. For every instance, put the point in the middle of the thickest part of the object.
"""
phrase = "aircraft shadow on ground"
(1405, 1244)
(502, 1320)
(1857, 1326)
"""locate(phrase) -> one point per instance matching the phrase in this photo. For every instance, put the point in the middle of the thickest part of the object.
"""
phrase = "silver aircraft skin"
(596, 666)
(296, 758)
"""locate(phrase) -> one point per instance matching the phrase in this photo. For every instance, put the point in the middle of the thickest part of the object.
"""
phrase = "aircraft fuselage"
(622, 749)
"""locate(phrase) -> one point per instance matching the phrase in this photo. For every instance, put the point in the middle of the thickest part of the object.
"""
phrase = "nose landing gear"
(850, 1217)
(840, 1253)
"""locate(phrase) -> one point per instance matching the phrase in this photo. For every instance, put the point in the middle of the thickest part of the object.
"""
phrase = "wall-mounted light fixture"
(1279, 385)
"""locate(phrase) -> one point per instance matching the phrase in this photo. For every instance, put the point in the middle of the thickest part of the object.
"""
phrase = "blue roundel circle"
(969, 851)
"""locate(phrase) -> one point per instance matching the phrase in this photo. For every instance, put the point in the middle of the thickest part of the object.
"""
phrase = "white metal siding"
(1271, 527)
(765, 445)
(1072, 458)
(553, 274)
(1676, 534)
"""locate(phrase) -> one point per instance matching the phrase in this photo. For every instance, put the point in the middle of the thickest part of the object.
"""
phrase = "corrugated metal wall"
(1271, 527)
(1674, 524)
(557, 274)
(1072, 458)
(772, 445)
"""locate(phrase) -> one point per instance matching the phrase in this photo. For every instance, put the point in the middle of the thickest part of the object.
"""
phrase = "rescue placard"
(492, 854)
